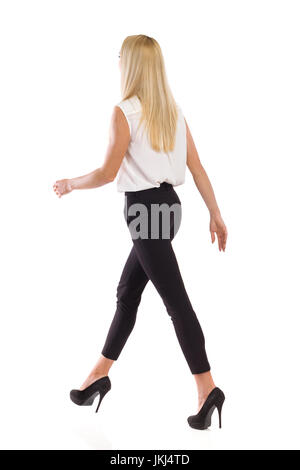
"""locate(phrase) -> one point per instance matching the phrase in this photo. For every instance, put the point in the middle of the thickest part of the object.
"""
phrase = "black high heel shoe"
(87, 396)
(202, 420)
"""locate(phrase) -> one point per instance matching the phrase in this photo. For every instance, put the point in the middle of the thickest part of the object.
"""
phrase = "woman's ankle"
(99, 372)
(203, 392)
(205, 384)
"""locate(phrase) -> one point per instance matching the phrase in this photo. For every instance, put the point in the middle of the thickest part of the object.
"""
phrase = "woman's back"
(143, 167)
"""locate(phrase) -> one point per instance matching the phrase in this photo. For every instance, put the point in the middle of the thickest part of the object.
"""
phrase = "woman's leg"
(160, 264)
(129, 291)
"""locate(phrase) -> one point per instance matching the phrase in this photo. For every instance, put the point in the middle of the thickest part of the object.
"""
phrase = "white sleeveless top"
(142, 167)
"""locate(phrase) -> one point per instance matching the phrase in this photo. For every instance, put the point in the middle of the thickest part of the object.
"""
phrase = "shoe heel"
(219, 408)
(101, 396)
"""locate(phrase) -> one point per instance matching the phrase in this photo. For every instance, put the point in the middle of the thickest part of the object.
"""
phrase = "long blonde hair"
(143, 74)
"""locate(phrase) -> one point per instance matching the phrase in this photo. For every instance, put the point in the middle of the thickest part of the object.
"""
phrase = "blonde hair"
(143, 74)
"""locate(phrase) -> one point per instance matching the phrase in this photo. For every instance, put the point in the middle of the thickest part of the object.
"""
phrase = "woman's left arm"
(119, 137)
(205, 188)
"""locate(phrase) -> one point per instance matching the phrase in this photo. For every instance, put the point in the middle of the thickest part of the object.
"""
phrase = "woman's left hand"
(217, 226)
(62, 187)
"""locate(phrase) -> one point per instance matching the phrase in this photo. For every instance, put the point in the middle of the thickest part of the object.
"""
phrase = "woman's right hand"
(62, 187)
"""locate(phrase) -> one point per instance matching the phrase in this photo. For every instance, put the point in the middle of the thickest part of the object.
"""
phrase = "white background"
(234, 68)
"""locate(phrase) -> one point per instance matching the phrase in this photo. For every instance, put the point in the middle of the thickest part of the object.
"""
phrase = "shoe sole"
(87, 402)
(207, 423)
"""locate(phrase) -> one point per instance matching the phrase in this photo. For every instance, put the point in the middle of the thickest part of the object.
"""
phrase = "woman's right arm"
(205, 188)
(119, 138)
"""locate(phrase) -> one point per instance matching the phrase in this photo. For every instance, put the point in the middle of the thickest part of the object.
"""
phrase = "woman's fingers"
(56, 189)
(219, 240)
(221, 234)
(219, 237)
(61, 187)
(223, 239)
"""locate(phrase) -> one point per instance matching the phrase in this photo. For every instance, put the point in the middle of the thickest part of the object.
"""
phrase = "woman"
(149, 148)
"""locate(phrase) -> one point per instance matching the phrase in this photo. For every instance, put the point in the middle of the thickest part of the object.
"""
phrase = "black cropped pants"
(152, 258)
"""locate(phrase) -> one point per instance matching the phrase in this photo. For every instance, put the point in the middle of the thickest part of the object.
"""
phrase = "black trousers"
(152, 258)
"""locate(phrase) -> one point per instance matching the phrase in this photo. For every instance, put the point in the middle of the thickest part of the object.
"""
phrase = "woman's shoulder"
(130, 105)
(178, 107)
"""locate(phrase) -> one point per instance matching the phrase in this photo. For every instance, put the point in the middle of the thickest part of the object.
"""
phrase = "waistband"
(163, 186)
